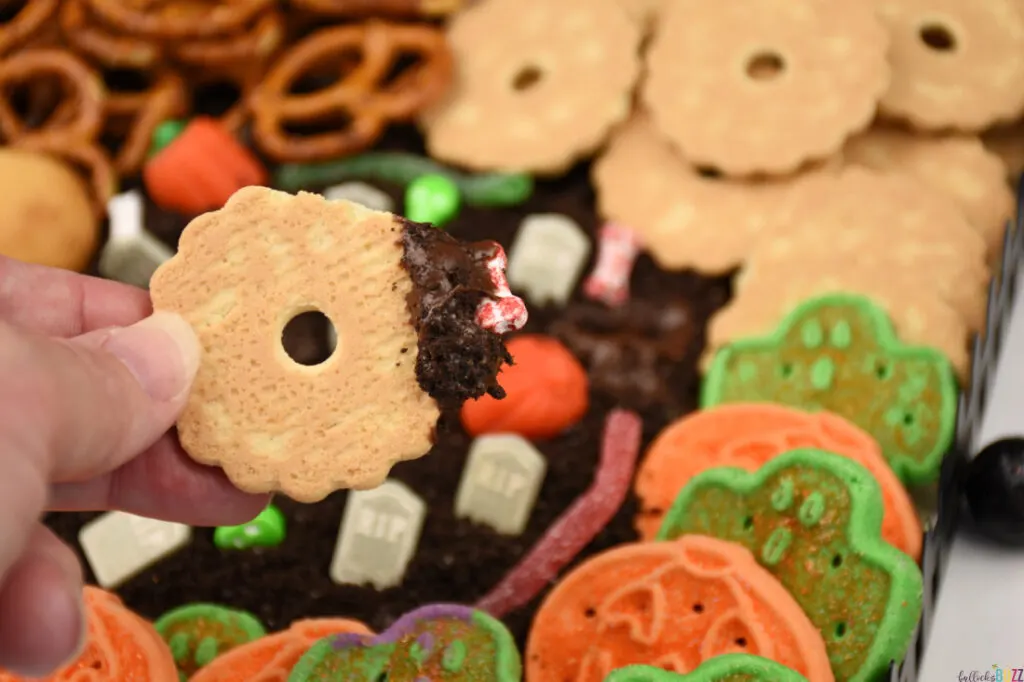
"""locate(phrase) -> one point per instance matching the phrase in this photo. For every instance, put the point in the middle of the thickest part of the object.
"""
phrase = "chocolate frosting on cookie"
(457, 359)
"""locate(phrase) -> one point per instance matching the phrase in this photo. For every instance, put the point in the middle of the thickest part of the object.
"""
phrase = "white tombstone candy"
(500, 482)
(361, 193)
(380, 530)
(547, 258)
(131, 254)
(118, 546)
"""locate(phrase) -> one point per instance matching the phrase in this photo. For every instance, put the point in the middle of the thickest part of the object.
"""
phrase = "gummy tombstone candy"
(434, 643)
(500, 482)
(266, 530)
(840, 353)
(131, 254)
(547, 258)
(198, 633)
(813, 519)
(119, 545)
(379, 532)
(360, 193)
(727, 668)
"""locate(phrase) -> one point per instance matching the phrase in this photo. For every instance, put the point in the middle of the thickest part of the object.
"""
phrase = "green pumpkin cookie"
(728, 668)
(198, 633)
(814, 520)
(840, 353)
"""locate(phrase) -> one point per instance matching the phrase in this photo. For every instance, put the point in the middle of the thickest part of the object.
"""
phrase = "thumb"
(84, 406)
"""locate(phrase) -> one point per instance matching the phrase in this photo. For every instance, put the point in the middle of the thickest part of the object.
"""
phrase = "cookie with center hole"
(813, 520)
(672, 605)
(955, 63)
(764, 87)
(409, 319)
(539, 84)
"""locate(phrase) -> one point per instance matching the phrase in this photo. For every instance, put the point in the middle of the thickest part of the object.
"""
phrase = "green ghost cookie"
(840, 353)
(814, 520)
(198, 633)
(727, 668)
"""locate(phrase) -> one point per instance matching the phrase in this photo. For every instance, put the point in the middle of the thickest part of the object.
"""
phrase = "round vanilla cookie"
(46, 216)
(240, 275)
(919, 316)
(684, 219)
(958, 165)
(956, 63)
(538, 85)
(764, 86)
(890, 222)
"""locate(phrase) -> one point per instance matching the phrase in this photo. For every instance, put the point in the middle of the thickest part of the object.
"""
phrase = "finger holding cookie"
(538, 84)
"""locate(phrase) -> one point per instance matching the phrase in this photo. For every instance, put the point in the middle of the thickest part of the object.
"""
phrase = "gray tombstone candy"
(500, 482)
(380, 530)
(547, 258)
(131, 254)
(360, 193)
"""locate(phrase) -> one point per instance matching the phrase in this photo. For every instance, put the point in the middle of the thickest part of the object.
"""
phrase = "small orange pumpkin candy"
(547, 392)
(120, 646)
(200, 169)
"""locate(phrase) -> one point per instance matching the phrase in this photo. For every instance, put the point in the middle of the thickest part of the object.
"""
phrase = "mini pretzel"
(140, 113)
(365, 8)
(30, 20)
(84, 154)
(84, 105)
(175, 19)
(361, 93)
(114, 50)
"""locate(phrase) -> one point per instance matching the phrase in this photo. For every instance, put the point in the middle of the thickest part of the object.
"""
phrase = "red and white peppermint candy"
(617, 249)
(504, 312)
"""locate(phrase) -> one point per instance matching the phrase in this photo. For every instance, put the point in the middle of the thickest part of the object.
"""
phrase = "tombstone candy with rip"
(547, 258)
(500, 483)
(380, 530)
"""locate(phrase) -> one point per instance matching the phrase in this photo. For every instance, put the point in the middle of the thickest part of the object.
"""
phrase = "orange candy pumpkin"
(120, 647)
(271, 658)
(547, 387)
(200, 169)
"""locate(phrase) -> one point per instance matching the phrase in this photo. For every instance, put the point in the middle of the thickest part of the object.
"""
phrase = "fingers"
(84, 406)
(163, 483)
(59, 303)
(41, 614)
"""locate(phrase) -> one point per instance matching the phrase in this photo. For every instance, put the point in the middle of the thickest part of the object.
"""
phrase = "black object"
(994, 486)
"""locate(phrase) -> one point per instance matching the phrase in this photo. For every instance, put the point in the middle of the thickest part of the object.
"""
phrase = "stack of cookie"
(821, 146)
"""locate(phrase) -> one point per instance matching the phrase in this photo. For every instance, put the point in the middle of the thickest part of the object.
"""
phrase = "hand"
(90, 384)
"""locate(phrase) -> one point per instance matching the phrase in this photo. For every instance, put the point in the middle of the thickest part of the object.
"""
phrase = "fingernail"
(161, 352)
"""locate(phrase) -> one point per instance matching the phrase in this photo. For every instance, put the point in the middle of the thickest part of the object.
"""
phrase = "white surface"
(978, 616)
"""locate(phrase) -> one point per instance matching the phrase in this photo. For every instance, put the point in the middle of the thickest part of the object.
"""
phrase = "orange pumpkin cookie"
(672, 605)
(271, 658)
(546, 388)
(746, 436)
(120, 646)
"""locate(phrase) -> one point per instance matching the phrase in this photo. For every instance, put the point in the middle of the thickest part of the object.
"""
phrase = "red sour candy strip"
(505, 313)
(579, 524)
(617, 249)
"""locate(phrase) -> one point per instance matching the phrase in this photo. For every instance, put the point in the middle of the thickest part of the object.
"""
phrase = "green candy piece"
(496, 190)
(432, 199)
(840, 353)
(434, 643)
(164, 134)
(826, 548)
(726, 668)
(266, 530)
(198, 633)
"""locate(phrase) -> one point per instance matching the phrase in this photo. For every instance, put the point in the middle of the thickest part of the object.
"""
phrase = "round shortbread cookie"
(918, 314)
(539, 84)
(764, 86)
(240, 275)
(684, 218)
(956, 63)
(957, 165)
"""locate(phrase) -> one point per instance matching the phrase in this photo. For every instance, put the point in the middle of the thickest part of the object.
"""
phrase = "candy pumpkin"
(120, 647)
